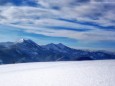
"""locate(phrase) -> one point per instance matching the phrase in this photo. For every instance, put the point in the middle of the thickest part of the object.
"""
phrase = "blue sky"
(81, 24)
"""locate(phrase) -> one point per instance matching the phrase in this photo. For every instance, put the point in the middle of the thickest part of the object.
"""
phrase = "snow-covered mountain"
(25, 50)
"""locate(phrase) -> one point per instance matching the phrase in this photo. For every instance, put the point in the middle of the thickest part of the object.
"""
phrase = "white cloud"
(35, 19)
(93, 35)
(103, 1)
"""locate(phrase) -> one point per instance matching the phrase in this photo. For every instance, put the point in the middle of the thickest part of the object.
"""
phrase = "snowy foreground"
(83, 73)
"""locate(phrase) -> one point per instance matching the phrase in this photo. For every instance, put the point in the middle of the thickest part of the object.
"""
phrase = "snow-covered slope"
(85, 73)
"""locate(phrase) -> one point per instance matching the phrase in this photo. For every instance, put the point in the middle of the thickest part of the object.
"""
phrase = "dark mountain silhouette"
(29, 51)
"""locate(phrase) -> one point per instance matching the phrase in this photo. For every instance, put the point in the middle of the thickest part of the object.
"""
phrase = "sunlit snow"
(73, 73)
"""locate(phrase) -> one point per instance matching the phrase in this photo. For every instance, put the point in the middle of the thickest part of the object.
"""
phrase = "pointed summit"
(57, 47)
(27, 42)
(61, 45)
(21, 40)
(51, 46)
(24, 40)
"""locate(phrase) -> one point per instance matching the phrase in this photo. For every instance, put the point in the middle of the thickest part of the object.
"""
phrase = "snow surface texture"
(85, 73)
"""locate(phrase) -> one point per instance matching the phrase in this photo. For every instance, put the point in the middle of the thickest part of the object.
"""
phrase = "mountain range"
(26, 50)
